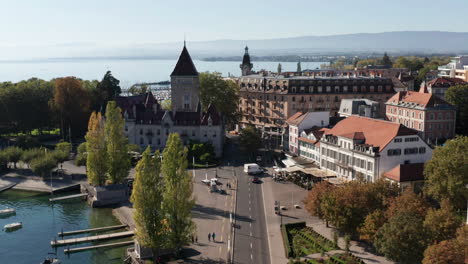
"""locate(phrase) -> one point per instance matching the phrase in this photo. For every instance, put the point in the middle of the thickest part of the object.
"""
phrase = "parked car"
(256, 180)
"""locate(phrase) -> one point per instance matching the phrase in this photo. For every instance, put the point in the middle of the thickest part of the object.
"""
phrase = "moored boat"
(12, 226)
(8, 211)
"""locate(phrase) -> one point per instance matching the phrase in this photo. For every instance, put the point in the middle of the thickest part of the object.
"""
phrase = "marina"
(98, 229)
(64, 242)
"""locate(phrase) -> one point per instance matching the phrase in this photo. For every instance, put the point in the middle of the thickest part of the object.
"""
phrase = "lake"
(42, 221)
(127, 71)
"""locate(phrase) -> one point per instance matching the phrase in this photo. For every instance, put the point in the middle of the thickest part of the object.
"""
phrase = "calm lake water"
(128, 71)
(42, 221)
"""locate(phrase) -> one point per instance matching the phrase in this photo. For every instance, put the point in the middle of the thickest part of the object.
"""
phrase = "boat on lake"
(8, 211)
(51, 260)
(12, 227)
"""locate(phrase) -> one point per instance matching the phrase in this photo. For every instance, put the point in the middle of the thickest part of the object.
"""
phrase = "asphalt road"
(251, 240)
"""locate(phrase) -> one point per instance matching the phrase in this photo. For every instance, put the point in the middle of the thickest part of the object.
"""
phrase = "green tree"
(13, 155)
(446, 173)
(138, 89)
(177, 198)
(442, 223)
(402, 239)
(107, 90)
(147, 199)
(81, 155)
(386, 60)
(116, 144)
(64, 146)
(166, 104)
(458, 96)
(30, 154)
(96, 158)
(250, 139)
(43, 165)
(223, 94)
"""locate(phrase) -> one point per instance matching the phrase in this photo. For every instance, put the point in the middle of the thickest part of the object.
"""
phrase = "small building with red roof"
(409, 175)
(430, 115)
(361, 147)
(301, 121)
(440, 85)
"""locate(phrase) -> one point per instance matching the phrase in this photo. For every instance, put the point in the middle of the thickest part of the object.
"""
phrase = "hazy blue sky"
(48, 26)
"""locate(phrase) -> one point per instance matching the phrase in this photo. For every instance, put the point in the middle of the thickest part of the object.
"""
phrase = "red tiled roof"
(445, 82)
(406, 172)
(375, 132)
(422, 99)
(308, 140)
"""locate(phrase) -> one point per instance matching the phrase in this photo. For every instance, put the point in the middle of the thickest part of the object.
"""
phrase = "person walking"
(196, 239)
(213, 235)
(209, 236)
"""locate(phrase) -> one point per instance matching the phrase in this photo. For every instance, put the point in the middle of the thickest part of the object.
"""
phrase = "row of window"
(407, 151)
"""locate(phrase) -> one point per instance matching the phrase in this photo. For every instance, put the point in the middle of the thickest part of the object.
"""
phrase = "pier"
(64, 242)
(117, 244)
(7, 187)
(98, 229)
(68, 197)
(72, 187)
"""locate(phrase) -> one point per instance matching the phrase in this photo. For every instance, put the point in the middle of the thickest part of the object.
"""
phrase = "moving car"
(252, 168)
(256, 180)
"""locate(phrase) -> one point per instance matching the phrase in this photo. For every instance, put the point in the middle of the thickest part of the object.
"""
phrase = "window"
(369, 166)
(141, 131)
(193, 133)
(394, 152)
(411, 151)
(159, 132)
(411, 139)
(214, 135)
(397, 140)
(422, 150)
(126, 128)
(150, 141)
(141, 141)
(159, 141)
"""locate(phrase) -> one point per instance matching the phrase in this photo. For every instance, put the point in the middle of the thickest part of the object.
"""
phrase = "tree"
(147, 199)
(250, 139)
(166, 104)
(442, 223)
(138, 89)
(96, 158)
(314, 198)
(12, 155)
(279, 68)
(43, 165)
(458, 96)
(64, 146)
(386, 60)
(402, 239)
(448, 251)
(373, 222)
(107, 90)
(446, 173)
(177, 198)
(31, 154)
(407, 202)
(223, 94)
(116, 144)
(72, 104)
(202, 152)
(81, 155)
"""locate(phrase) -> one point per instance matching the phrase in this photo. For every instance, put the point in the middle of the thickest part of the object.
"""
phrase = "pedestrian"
(196, 239)
(193, 239)
(213, 235)
(209, 236)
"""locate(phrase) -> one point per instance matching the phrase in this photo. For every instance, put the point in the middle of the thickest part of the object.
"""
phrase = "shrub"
(81, 155)
(42, 166)
(60, 156)
(64, 146)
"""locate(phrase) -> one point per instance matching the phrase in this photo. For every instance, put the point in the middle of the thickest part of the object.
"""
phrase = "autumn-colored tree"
(408, 201)
(446, 173)
(314, 198)
(402, 239)
(178, 188)
(448, 251)
(373, 222)
(72, 103)
(442, 223)
(96, 158)
(116, 144)
(147, 199)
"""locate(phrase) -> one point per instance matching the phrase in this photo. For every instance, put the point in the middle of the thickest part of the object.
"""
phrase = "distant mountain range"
(395, 43)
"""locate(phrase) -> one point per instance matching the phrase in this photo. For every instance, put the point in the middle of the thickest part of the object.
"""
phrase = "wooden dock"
(117, 244)
(7, 187)
(68, 197)
(58, 243)
(98, 229)
(72, 187)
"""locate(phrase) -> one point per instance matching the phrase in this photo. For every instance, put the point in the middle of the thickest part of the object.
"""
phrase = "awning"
(288, 162)
(319, 173)
(293, 169)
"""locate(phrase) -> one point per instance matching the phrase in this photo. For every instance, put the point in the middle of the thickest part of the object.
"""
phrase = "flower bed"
(301, 240)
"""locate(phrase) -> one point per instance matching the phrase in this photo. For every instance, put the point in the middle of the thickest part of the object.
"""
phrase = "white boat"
(8, 211)
(51, 260)
(13, 226)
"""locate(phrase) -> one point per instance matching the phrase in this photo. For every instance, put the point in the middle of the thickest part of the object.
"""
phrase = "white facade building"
(301, 121)
(364, 147)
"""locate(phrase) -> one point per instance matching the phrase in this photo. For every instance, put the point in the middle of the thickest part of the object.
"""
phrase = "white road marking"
(251, 256)
(250, 233)
(251, 225)
(268, 233)
(251, 245)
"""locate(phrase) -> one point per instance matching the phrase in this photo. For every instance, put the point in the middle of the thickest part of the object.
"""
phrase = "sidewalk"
(289, 194)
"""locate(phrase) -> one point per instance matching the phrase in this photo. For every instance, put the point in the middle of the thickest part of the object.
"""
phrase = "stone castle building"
(147, 124)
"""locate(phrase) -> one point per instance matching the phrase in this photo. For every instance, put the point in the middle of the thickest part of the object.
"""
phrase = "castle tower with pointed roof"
(185, 84)
(246, 66)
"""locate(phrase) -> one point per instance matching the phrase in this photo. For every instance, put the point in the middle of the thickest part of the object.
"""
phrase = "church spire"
(246, 66)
